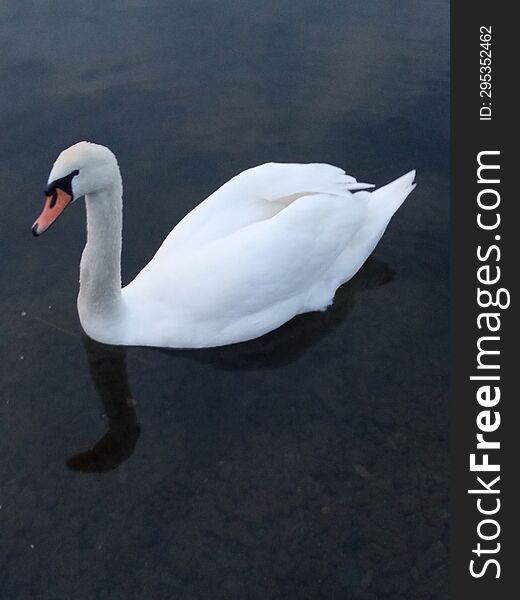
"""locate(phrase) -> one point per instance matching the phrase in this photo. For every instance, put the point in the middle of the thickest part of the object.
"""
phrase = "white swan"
(275, 241)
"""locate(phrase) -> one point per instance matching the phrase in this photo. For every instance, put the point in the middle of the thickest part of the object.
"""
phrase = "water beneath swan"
(311, 463)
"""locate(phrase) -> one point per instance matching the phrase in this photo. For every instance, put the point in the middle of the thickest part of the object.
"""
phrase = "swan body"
(275, 241)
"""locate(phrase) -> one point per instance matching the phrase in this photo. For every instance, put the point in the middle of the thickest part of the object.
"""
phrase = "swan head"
(84, 168)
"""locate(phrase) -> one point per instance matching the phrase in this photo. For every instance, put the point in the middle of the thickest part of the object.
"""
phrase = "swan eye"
(63, 183)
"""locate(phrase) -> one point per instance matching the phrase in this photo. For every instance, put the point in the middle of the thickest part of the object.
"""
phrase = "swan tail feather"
(387, 199)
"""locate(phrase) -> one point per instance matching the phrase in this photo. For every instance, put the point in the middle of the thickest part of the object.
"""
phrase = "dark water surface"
(310, 464)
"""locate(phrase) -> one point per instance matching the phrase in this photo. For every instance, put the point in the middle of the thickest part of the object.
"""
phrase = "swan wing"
(255, 195)
(251, 281)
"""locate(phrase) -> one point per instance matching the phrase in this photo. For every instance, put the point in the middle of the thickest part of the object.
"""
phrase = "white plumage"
(275, 241)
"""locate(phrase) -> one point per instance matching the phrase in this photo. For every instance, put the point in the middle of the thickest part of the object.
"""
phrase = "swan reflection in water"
(280, 347)
(108, 371)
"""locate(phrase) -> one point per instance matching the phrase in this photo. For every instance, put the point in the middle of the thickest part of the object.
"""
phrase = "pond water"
(309, 464)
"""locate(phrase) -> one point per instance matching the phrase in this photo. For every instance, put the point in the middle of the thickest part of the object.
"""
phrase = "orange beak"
(54, 206)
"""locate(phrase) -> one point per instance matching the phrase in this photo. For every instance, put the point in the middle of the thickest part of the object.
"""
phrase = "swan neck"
(100, 270)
